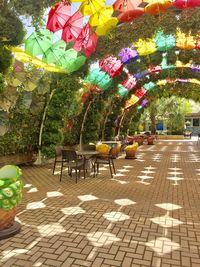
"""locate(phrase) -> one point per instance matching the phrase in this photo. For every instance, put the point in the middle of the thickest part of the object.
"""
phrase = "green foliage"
(11, 28)
(62, 107)
(5, 59)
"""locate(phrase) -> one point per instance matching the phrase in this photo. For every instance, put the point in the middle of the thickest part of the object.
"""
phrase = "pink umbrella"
(86, 40)
(58, 16)
(73, 27)
(111, 65)
(126, 5)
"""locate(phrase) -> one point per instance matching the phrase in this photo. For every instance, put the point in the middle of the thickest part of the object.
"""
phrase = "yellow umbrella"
(89, 7)
(145, 47)
(107, 27)
(184, 41)
(23, 57)
(101, 16)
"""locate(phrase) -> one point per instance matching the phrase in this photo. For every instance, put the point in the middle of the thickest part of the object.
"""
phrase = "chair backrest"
(58, 151)
(69, 155)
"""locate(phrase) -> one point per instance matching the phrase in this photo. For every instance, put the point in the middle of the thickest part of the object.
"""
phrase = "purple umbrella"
(127, 55)
(144, 103)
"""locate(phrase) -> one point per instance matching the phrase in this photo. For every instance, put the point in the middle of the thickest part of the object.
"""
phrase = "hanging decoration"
(130, 82)
(111, 65)
(140, 92)
(128, 55)
(184, 41)
(145, 47)
(58, 15)
(132, 101)
(122, 91)
(164, 42)
(99, 78)
(182, 4)
(156, 6)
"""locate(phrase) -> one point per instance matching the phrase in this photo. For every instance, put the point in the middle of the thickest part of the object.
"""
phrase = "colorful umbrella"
(101, 16)
(86, 40)
(126, 5)
(149, 86)
(184, 41)
(130, 82)
(99, 78)
(130, 15)
(76, 64)
(73, 27)
(111, 65)
(53, 54)
(154, 69)
(132, 101)
(89, 7)
(58, 16)
(67, 58)
(186, 3)
(156, 6)
(140, 92)
(144, 103)
(39, 42)
(107, 27)
(145, 47)
(127, 55)
(164, 42)
(122, 91)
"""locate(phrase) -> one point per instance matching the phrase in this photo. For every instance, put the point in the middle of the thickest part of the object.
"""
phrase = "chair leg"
(61, 170)
(54, 166)
(110, 169)
(76, 176)
(113, 166)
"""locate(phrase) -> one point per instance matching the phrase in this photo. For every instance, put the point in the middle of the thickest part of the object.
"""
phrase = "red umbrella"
(140, 92)
(186, 3)
(111, 65)
(130, 82)
(58, 16)
(73, 27)
(130, 15)
(126, 5)
(86, 40)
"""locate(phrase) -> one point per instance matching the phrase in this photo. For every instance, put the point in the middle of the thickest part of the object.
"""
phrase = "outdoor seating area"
(112, 221)
(99, 133)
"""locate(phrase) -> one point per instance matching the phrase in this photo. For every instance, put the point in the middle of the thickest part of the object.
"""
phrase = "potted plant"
(131, 150)
(11, 187)
(139, 140)
(103, 149)
(150, 140)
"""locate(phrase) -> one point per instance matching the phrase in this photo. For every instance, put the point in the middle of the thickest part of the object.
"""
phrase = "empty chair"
(58, 156)
(72, 162)
(104, 159)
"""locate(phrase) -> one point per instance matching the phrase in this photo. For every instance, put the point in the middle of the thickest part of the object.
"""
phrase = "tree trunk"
(83, 123)
(39, 156)
(106, 119)
(153, 121)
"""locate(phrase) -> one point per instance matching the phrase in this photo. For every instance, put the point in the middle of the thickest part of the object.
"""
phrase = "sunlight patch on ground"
(116, 216)
(168, 206)
(166, 221)
(50, 229)
(124, 202)
(54, 194)
(7, 254)
(100, 239)
(162, 245)
(87, 197)
(33, 190)
(35, 205)
(72, 211)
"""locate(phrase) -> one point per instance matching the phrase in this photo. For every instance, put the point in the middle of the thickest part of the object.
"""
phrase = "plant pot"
(7, 218)
(130, 154)
(150, 141)
(139, 140)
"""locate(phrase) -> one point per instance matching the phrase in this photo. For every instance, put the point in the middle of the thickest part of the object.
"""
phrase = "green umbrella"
(76, 64)
(55, 52)
(69, 56)
(39, 42)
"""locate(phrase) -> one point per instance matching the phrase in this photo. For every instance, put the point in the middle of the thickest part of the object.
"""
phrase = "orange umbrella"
(130, 15)
(155, 6)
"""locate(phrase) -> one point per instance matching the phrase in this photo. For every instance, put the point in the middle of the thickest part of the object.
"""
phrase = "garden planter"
(10, 195)
(131, 151)
(139, 140)
(150, 140)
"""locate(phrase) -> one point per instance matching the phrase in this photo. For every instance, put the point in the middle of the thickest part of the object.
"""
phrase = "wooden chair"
(104, 159)
(71, 160)
(58, 157)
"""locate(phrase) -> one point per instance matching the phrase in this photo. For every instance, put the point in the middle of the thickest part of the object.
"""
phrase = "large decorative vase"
(131, 151)
(103, 149)
(11, 187)
(139, 140)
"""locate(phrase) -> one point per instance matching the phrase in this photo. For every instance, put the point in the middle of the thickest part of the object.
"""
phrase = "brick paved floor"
(148, 215)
